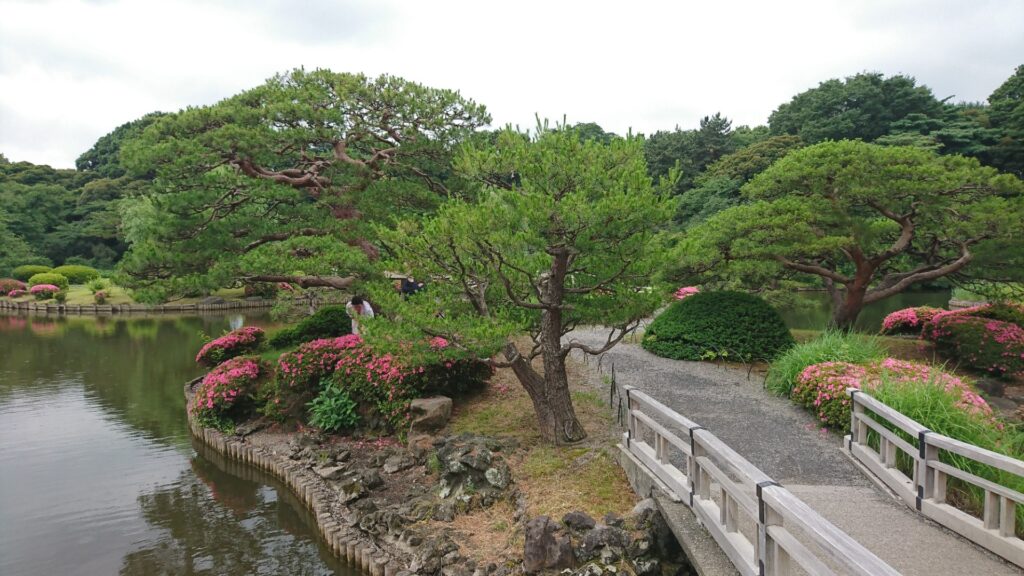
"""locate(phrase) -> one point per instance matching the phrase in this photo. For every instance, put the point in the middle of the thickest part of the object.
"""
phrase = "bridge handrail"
(747, 513)
(926, 489)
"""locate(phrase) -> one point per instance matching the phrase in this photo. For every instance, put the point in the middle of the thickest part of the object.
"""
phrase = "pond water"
(99, 474)
(812, 310)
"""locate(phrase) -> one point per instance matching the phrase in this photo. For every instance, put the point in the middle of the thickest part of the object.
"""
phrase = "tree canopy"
(564, 234)
(864, 106)
(868, 221)
(280, 182)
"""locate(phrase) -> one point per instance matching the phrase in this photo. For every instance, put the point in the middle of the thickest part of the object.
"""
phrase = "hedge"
(77, 274)
(327, 322)
(58, 280)
(27, 271)
(718, 325)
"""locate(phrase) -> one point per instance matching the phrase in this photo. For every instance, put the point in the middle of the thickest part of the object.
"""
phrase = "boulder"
(546, 547)
(578, 521)
(606, 541)
(351, 490)
(329, 472)
(397, 463)
(429, 414)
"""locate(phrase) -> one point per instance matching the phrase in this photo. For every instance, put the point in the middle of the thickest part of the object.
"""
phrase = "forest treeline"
(65, 216)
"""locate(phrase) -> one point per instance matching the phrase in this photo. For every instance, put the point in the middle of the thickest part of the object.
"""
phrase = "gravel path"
(786, 443)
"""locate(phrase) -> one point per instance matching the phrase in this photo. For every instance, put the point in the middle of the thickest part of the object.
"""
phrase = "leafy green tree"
(1007, 119)
(15, 250)
(718, 187)
(571, 240)
(104, 158)
(868, 221)
(593, 131)
(280, 183)
(689, 151)
(864, 106)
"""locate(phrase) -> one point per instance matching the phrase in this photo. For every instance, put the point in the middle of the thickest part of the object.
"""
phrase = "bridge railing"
(761, 526)
(926, 486)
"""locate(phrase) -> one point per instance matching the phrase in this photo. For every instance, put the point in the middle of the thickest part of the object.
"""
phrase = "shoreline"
(346, 544)
(111, 309)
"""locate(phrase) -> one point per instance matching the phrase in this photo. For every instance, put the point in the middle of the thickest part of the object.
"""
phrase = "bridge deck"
(785, 443)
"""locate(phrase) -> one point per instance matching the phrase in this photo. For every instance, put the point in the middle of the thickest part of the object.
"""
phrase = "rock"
(420, 444)
(351, 490)
(613, 519)
(445, 511)
(499, 476)
(646, 567)
(249, 427)
(429, 414)
(991, 386)
(329, 472)
(578, 521)
(600, 538)
(545, 547)
(371, 478)
(340, 454)
(212, 300)
(477, 459)
(397, 463)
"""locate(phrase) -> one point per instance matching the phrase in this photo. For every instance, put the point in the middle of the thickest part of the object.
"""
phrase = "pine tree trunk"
(556, 417)
(845, 314)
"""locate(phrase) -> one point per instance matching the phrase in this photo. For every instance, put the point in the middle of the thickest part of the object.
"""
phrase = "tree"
(868, 221)
(15, 250)
(689, 151)
(593, 131)
(570, 239)
(863, 106)
(718, 187)
(1007, 118)
(281, 182)
(104, 158)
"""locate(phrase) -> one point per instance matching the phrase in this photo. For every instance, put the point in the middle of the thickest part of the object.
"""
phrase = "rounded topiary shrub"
(27, 271)
(58, 280)
(718, 325)
(327, 322)
(77, 274)
(9, 284)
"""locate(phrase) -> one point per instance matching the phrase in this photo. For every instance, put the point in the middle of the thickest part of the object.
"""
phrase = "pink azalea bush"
(982, 343)
(823, 387)
(234, 343)
(16, 293)
(685, 291)
(9, 284)
(908, 320)
(44, 291)
(224, 392)
(378, 382)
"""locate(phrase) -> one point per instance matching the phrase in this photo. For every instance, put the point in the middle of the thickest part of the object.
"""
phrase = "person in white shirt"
(356, 308)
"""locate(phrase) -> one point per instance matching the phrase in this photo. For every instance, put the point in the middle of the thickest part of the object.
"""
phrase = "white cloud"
(72, 70)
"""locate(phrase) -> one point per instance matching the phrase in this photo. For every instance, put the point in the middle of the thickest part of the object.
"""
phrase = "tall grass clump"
(941, 410)
(830, 346)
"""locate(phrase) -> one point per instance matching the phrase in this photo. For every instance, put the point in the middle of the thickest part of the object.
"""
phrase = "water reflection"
(223, 518)
(99, 474)
(812, 310)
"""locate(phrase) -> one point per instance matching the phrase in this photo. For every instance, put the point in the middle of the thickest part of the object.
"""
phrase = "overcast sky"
(73, 70)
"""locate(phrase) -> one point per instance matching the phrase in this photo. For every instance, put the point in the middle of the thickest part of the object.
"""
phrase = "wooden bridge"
(877, 504)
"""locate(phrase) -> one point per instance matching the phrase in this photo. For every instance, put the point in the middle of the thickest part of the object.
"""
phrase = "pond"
(812, 310)
(100, 474)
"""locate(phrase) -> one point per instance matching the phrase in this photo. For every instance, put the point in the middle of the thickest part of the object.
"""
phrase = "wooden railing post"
(925, 476)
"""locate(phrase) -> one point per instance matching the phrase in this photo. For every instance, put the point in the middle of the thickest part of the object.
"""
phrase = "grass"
(829, 346)
(555, 479)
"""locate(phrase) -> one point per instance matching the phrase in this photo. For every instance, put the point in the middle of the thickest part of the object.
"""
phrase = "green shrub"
(23, 273)
(333, 409)
(327, 322)
(830, 346)
(58, 280)
(718, 325)
(61, 297)
(76, 273)
(96, 285)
